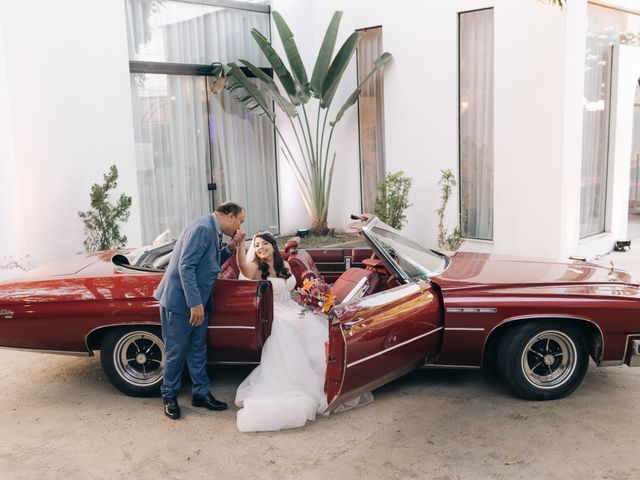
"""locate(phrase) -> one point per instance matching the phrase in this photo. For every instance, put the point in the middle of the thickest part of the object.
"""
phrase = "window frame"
(204, 70)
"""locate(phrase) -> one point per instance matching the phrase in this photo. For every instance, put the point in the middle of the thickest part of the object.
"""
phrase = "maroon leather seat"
(301, 263)
(230, 268)
(348, 280)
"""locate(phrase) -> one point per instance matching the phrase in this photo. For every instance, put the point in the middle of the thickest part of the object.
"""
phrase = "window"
(634, 184)
(476, 122)
(371, 118)
(606, 28)
(196, 149)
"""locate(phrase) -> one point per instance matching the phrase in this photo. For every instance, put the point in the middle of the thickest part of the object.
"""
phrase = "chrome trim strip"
(393, 348)
(121, 324)
(465, 329)
(472, 310)
(53, 352)
(236, 327)
(462, 367)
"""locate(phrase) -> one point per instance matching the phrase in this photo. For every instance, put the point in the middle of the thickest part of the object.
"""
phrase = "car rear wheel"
(133, 360)
(543, 360)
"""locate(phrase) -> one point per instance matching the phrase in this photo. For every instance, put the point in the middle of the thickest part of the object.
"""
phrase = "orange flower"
(307, 284)
(329, 299)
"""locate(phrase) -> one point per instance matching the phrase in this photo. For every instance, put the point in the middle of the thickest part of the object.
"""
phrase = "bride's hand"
(240, 236)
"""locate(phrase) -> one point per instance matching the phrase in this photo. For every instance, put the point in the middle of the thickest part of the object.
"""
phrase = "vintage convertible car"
(400, 307)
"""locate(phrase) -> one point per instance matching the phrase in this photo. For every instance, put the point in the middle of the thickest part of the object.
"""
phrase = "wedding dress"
(287, 388)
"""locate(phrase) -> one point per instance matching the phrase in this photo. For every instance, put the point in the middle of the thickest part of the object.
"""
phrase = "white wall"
(10, 230)
(69, 118)
(421, 113)
(65, 116)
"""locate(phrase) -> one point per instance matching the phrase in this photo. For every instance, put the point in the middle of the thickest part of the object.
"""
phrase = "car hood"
(73, 265)
(472, 270)
(87, 276)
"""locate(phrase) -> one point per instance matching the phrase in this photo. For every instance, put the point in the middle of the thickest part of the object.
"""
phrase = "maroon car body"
(407, 307)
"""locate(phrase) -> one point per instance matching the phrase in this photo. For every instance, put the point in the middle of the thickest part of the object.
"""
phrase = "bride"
(287, 388)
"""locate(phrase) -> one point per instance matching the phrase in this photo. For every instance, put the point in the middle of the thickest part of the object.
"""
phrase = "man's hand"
(197, 316)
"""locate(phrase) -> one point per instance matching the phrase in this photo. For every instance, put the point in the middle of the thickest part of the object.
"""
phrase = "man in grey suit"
(185, 295)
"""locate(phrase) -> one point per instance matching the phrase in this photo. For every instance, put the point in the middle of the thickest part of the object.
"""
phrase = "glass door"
(172, 151)
(243, 160)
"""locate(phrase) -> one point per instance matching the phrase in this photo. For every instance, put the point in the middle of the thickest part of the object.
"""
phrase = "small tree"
(449, 242)
(313, 160)
(392, 200)
(101, 228)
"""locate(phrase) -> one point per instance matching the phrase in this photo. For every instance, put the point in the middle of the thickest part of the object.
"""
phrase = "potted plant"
(311, 157)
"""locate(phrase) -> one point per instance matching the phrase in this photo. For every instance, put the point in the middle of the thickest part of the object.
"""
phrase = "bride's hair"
(278, 263)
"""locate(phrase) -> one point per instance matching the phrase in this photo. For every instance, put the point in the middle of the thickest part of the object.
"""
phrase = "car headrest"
(291, 245)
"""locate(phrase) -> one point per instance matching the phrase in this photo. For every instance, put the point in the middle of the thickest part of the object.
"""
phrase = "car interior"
(350, 282)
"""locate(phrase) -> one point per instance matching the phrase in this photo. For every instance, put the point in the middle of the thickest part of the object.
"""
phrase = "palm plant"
(310, 162)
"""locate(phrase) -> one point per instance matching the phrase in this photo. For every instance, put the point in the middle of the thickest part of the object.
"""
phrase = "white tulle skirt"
(287, 389)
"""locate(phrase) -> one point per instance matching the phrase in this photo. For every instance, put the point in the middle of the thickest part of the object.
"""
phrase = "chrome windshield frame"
(367, 230)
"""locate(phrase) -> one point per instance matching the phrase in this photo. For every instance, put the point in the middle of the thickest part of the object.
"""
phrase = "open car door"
(380, 338)
(241, 322)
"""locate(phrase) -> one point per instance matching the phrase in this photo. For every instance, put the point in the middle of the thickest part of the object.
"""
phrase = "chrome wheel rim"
(139, 358)
(549, 359)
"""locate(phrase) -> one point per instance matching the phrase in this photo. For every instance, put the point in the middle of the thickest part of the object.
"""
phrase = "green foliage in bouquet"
(445, 241)
(101, 228)
(393, 199)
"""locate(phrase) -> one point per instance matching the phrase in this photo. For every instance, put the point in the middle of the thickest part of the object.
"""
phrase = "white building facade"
(530, 105)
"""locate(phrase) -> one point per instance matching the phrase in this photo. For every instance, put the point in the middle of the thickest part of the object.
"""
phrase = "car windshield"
(412, 261)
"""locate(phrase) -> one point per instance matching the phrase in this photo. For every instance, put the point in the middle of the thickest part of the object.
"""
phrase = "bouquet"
(314, 295)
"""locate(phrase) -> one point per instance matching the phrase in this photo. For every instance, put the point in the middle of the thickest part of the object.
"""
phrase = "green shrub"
(101, 228)
(448, 242)
(392, 200)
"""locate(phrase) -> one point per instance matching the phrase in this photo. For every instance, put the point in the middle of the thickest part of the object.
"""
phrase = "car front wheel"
(133, 360)
(543, 360)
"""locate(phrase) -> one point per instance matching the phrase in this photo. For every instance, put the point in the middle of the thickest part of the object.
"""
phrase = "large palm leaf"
(311, 167)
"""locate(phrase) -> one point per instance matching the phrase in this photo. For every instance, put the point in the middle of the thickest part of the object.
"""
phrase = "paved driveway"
(61, 419)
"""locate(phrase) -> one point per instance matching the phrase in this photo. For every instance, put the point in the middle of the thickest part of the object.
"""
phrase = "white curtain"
(634, 184)
(179, 32)
(606, 28)
(595, 126)
(242, 147)
(476, 123)
(170, 118)
(371, 118)
(181, 129)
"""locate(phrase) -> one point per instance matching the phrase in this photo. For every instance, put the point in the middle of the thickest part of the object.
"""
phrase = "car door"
(380, 338)
(241, 320)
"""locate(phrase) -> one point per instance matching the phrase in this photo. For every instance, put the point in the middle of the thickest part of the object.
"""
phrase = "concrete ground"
(61, 419)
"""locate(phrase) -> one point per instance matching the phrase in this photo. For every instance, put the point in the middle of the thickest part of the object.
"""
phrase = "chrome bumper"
(634, 359)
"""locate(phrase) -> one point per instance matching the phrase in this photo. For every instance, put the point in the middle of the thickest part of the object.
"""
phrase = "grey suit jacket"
(193, 269)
